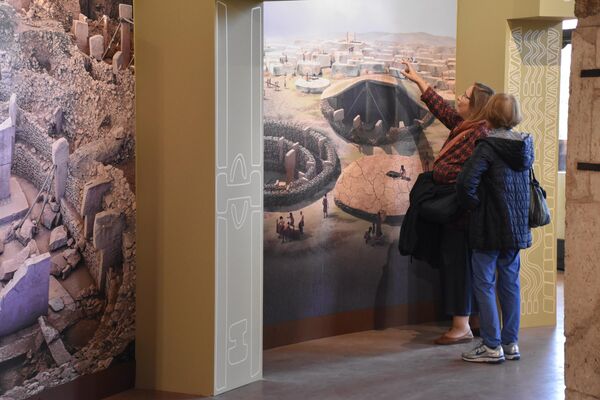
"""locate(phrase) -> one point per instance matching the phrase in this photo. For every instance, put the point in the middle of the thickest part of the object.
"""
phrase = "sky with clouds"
(314, 17)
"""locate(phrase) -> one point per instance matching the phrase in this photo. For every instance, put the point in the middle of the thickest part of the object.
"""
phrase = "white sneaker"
(484, 354)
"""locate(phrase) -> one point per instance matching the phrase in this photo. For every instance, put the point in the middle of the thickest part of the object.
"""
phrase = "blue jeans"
(485, 265)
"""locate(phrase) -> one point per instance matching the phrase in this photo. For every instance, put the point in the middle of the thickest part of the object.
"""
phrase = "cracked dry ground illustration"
(365, 187)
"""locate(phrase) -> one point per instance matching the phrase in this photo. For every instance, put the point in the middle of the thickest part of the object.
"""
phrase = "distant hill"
(416, 38)
(412, 39)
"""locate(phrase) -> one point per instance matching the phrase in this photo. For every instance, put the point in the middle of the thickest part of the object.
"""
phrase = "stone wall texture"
(308, 139)
(582, 278)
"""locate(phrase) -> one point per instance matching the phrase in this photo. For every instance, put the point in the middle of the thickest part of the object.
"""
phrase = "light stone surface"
(582, 277)
(364, 185)
(97, 47)
(81, 30)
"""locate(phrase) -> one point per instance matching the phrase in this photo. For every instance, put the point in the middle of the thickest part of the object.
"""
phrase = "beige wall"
(175, 194)
(176, 180)
(500, 52)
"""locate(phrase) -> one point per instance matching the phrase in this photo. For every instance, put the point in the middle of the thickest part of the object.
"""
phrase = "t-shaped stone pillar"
(60, 159)
(108, 238)
(81, 31)
(126, 13)
(290, 166)
(91, 205)
(7, 135)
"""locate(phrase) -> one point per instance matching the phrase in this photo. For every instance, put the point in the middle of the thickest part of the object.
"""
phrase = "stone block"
(58, 238)
(338, 115)
(82, 18)
(13, 108)
(55, 344)
(290, 166)
(96, 44)
(108, 237)
(93, 192)
(379, 127)
(9, 267)
(16, 206)
(356, 122)
(20, 343)
(126, 42)
(25, 298)
(60, 158)
(125, 11)
(5, 171)
(108, 229)
(26, 232)
(7, 138)
(81, 31)
(118, 62)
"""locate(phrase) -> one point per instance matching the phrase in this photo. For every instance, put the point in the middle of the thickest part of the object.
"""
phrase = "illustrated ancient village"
(67, 203)
(345, 138)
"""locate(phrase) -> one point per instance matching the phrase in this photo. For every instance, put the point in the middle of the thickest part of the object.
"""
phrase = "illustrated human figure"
(368, 235)
(378, 221)
(301, 223)
(280, 226)
(325, 206)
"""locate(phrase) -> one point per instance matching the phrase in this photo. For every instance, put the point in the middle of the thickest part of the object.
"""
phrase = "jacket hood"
(515, 148)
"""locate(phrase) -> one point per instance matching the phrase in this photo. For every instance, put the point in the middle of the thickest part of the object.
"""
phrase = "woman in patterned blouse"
(467, 125)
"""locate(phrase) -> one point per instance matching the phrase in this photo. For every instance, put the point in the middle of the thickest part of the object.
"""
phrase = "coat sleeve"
(469, 179)
(441, 109)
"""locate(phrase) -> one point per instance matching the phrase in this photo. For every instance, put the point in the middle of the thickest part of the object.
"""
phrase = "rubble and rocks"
(26, 232)
(63, 93)
(54, 342)
(58, 238)
(10, 266)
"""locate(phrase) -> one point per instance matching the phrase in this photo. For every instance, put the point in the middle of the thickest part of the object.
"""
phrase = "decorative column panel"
(239, 188)
(533, 77)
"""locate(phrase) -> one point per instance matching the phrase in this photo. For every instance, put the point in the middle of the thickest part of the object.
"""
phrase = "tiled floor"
(402, 363)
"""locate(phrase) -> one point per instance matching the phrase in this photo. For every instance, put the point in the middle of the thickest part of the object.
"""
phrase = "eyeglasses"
(464, 95)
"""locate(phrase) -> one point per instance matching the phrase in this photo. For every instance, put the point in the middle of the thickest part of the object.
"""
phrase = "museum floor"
(402, 364)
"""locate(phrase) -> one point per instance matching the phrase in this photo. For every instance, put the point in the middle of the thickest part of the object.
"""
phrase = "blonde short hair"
(503, 111)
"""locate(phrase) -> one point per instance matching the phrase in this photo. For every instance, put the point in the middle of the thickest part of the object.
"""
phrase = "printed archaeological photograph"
(67, 191)
(345, 137)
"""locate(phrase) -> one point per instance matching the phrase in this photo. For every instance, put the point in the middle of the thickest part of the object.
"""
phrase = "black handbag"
(441, 209)
(539, 214)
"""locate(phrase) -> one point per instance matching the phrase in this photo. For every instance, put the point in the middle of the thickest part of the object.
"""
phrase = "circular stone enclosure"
(373, 110)
(316, 164)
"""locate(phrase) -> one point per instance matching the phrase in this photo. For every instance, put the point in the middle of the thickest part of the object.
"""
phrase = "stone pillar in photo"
(97, 47)
(356, 122)
(25, 297)
(7, 135)
(105, 32)
(582, 241)
(81, 31)
(118, 62)
(60, 159)
(93, 193)
(290, 166)
(126, 13)
(108, 239)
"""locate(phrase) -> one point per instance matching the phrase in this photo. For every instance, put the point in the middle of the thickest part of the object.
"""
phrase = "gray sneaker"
(511, 351)
(484, 354)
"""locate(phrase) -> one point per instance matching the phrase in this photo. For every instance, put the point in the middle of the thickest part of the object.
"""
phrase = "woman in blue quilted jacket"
(495, 185)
